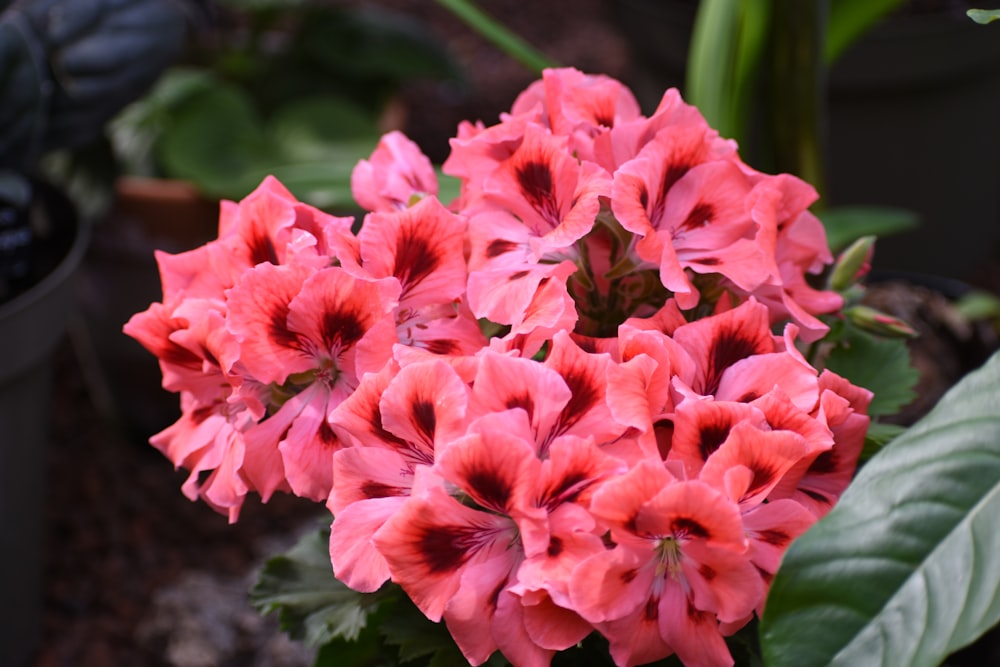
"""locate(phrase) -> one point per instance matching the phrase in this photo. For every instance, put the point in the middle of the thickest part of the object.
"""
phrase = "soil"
(138, 575)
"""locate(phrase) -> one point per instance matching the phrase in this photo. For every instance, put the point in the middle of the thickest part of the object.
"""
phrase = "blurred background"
(123, 123)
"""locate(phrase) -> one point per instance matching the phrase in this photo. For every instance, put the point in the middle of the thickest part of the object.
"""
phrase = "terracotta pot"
(31, 325)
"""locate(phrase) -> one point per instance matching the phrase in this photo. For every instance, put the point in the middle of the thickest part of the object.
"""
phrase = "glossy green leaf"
(904, 570)
(845, 224)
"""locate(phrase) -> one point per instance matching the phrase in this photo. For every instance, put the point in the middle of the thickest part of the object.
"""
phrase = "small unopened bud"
(877, 322)
(852, 264)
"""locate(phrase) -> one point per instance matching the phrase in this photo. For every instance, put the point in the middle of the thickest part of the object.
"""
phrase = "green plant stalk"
(797, 102)
(498, 35)
(727, 43)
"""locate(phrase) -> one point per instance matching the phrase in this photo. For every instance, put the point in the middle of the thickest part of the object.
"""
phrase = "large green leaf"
(904, 570)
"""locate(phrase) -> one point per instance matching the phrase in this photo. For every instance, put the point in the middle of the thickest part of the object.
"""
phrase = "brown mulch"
(119, 529)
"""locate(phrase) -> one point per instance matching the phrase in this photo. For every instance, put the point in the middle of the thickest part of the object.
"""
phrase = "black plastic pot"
(913, 109)
(31, 325)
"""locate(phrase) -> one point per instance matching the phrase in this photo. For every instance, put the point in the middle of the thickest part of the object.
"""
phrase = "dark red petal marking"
(491, 488)
(198, 415)
(567, 489)
(652, 610)
(629, 575)
(555, 546)
(277, 328)
(262, 249)
(375, 419)
(523, 401)
(664, 432)
(424, 418)
(379, 490)
(584, 395)
(776, 537)
(711, 436)
(444, 548)
(761, 478)
(415, 258)
(499, 247)
(326, 435)
(825, 463)
(701, 215)
(535, 179)
(343, 328)
(707, 572)
(730, 345)
(441, 346)
(687, 527)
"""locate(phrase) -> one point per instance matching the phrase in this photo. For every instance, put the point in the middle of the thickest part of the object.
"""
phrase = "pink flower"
(322, 331)
(396, 174)
(679, 560)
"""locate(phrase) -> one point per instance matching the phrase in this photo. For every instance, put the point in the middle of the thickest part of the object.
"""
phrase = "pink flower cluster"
(553, 407)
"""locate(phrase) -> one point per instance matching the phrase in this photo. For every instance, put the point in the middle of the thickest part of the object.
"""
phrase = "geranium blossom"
(574, 400)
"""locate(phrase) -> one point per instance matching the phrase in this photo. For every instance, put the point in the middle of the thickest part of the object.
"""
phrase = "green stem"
(501, 37)
(797, 108)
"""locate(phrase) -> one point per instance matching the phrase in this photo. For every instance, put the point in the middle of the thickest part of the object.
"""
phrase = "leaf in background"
(713, 63)
(374, 43)
(135, 131)
(449, 187)
(322, 128)
(850, 19)
(881, 365)
(845, 224)
(312, 604)
(216, 141)
(325, 185)
(904, 569)
(984, 16)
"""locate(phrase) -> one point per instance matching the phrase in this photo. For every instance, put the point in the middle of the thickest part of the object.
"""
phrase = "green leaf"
(878, 436)
(727, 44)
(904, 569)
(850, 19)
(845, 224)
(881, 365)
(313, 605)
(323, 128)
(498, 35)
(415, 634)
(449, 187)
(376, 44)
(216, 141)
(978, 304)
(984, 16)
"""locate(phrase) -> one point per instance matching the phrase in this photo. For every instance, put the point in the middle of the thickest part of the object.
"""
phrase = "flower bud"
(852, 264)
(877, 322)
